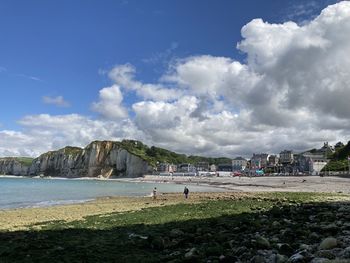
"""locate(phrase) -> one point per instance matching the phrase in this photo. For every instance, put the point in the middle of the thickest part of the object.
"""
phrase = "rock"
(262, 242)
(346, 253)
(257, 259)
(280, 259)
(314, 236)
(305, 247)
(275, 224)
(13, 166)
(191, 253)
(296, 258)
(300, 257)
(320, 260)
(328, 243)
(331, 227)
(325, 254)
(158, 243)
(344, 208)
(240, 250)
(285, 249)
(176, 233)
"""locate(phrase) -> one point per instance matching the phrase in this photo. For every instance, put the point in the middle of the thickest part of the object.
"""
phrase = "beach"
(327, 184)
(31, 218)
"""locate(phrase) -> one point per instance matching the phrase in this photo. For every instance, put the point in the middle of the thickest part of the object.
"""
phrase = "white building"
(239, 164)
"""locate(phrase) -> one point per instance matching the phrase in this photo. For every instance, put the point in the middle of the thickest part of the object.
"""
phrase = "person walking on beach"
(186, 191)
(154, 193)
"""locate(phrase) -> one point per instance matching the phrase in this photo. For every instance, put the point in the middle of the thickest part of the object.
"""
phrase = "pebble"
(328, 243)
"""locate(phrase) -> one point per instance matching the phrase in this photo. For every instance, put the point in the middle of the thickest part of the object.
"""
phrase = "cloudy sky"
(215, 78)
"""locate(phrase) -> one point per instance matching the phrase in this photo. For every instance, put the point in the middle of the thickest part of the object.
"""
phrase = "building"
(202, 166)
(259, 161)
(225, 167)
(312, 163)
(186, 168)
(273, 160)
(166, 168)
(213, 168)
(326, 150)
(239, 164)
(286, 157)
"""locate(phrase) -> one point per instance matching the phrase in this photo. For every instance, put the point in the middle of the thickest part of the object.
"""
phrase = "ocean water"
(36, 192)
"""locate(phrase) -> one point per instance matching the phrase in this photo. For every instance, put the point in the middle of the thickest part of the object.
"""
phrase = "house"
(225, 167)
(286, 157)
(213, 168)
(273, 161)
(326, 150)
(202, 166)
(239, 164)
(186, 168)
(166, 168)
(259, 161)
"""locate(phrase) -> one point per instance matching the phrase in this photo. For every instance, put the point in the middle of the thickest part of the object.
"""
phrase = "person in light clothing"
(154, 193)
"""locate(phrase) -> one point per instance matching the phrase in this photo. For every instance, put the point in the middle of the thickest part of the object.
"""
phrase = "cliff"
(98, 159)
(15, 166)
(128, 158)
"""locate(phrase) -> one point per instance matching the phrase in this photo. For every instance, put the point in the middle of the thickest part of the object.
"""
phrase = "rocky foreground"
(221, 227)
(302, 233)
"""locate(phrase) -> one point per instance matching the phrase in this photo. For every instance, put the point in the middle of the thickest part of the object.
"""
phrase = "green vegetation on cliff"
(154, 155)
(25, 161)
(339, 159)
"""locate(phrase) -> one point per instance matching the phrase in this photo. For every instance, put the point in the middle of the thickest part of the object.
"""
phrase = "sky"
(205, 77)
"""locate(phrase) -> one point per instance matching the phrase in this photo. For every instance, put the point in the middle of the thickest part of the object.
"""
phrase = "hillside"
(128, 158)
(339, 159)
(155, 154)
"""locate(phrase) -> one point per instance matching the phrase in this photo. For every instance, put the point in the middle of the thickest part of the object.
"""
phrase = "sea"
(19, 192)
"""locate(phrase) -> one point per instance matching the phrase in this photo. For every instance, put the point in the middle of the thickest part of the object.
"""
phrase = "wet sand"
(24, 218)
(329, 184)
(18, 219)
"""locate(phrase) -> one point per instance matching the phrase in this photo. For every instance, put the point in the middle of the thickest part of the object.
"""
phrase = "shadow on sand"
(247, 237)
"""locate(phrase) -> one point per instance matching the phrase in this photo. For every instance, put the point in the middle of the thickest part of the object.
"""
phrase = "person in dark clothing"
(186, 191)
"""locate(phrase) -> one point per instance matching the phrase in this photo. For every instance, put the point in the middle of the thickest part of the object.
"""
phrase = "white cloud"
(123, 75)
(291, 93)
(58, 101)
(50, 132)
(109, 105)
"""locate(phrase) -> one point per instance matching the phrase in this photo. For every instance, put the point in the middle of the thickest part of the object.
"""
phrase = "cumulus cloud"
(123, 75)
(291, 92)
(109, 105)
(45, 132)
(58, 101)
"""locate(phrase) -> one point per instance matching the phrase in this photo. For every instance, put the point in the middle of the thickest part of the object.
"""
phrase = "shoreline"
(25, 218)
(329, 184)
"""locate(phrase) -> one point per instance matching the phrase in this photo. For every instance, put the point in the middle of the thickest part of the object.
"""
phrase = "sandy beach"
(24, 218)
(329, 184)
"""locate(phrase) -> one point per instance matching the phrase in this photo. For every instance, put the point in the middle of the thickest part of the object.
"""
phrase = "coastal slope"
(98, 159)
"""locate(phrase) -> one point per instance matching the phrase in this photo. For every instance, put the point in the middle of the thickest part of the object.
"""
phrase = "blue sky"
(63, 50)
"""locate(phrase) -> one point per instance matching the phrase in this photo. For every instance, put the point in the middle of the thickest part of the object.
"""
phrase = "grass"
(144, 235)
(25, 161)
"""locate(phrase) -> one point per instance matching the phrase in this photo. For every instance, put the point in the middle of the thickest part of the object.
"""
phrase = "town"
(286, 162)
